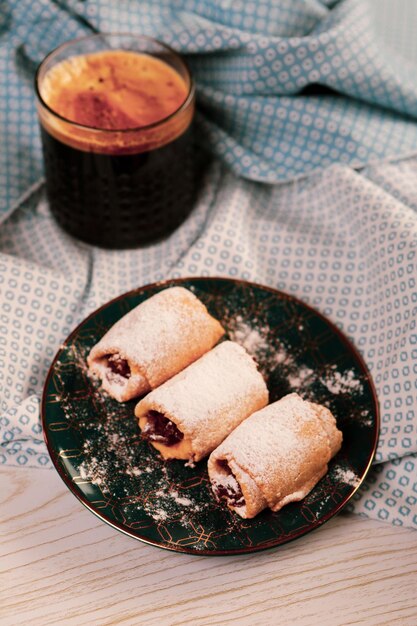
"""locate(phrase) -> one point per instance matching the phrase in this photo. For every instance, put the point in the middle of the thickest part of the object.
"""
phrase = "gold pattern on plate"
(72, 453)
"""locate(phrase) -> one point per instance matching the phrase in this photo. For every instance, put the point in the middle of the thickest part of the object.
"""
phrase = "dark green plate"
(95, 444)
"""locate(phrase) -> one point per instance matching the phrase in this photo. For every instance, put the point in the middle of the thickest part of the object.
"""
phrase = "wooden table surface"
(59, 564)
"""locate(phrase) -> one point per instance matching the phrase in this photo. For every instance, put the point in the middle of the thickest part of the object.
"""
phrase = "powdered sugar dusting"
(255, 338)
(300, 376)
(156, 493)
(341, 382)
(167, 503)
(366, 419)
(346, 476)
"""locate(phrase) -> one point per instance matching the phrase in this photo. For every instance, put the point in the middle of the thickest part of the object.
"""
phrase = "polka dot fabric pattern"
(285, 87)
(304, 94)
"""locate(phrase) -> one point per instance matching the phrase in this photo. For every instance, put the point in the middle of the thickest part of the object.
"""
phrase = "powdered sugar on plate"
(341, 382)
(168, 501)
(252, 339)
(116, 461)
(255, 338)
(346, 476)
(300, 376)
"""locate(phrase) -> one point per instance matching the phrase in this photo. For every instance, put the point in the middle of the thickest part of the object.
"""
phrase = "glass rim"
(66, 44)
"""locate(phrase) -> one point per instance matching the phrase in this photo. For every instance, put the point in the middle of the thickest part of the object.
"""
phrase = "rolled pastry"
(152, 342)
(274, 457)
(190, 414)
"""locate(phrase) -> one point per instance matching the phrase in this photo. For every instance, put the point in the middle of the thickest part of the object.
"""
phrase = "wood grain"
(59, 564)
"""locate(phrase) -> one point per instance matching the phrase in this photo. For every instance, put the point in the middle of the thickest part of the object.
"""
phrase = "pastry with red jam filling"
(274, 457)
(152, 343)
(190, 415)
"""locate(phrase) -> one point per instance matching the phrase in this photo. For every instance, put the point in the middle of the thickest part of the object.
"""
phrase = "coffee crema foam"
(117, 91)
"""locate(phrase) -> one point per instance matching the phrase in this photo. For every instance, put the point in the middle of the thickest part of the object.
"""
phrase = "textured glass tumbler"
(117, 187)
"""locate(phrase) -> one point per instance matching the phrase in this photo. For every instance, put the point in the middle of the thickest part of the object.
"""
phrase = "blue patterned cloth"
(301, 93)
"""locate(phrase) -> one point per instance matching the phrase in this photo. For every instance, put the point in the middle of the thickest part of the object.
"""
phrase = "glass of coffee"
(116, 115)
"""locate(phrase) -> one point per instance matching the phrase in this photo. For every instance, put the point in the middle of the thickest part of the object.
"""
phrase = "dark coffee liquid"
(123, 174)
(120, 201)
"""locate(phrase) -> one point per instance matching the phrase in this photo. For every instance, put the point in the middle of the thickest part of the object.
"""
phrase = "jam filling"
(160, 429)
(228, 489)
(118, 365)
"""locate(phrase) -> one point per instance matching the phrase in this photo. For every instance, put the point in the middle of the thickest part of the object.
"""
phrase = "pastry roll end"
(120, 378)
(229, 482)
(165, 436)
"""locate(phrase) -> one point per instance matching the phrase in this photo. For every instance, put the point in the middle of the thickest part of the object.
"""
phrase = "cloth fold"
(290, 92)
